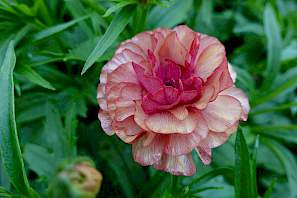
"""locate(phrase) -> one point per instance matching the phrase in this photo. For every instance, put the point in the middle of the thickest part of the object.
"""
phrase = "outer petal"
(106, 121)
(222, 113)
(148, 154)
(127, 130)
(204, 154)
(180, 144)
(241, 97)
(177, 165)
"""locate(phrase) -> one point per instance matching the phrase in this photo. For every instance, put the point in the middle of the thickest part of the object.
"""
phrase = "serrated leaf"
(9, 143)
(34, 77)
(117, 25)
(56, 29)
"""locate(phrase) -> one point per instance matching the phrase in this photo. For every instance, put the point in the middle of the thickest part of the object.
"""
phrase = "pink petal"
(204, 154)
(166, 123)
(210, 59)
(180, 112)
(150, 83)
(145, 41)
(185, 35)
(149, 154)
(123, 113)
(180, 144)
(207, 94)
(232, 72)
(127, 129)
(106, 121)
(241, 97)
(123, 73)
(177, 165)
(222, 113)
(140, 116)
(173, 49)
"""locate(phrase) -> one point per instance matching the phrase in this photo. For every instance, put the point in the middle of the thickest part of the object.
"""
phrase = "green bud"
(76, 179)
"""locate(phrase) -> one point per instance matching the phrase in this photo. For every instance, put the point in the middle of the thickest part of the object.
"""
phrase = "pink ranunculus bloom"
(169, 92)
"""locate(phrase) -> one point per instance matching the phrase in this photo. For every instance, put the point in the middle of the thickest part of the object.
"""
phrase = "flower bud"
(78, 179)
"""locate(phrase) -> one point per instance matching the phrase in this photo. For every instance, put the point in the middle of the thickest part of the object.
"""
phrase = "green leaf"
(56, 29)
(288, 161)
(9, 143)
(242, 174)
(268, 192)
(117, 7)
(274, 45)
(34, 77)
(225, 171)
(285, 83)
(117, 25)
(171, 16)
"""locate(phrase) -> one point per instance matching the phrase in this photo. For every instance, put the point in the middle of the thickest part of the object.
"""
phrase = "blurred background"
(56, 107)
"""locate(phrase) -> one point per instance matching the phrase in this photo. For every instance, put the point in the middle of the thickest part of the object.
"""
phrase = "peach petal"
(232, 72)
(145, 41)
(166, 123)
(140, 116)
(123, 113)
(127, 129)
(204, 154)
(185, 35)
(180, 112)
(131, 46)
(177, 165)
(207, 94)
(210, 59)
(106, 121)
(149, 154)
(173, 49)
(241, 97)
(124, 73)
(222, 113)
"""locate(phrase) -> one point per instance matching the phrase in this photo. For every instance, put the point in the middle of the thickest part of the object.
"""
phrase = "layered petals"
(168, 93)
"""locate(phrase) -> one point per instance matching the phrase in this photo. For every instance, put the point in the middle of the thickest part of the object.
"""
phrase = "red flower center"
(170, 84)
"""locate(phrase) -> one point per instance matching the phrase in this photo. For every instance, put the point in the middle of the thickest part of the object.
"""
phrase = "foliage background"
(56, 107)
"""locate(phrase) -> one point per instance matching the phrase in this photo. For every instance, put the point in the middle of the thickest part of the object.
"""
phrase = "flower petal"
(148, 154)
(204, 154)
(106, 121)
(210, 59)
(173, 49)
(241, 97)
(177, 165)
(222, 113)
(166, 123)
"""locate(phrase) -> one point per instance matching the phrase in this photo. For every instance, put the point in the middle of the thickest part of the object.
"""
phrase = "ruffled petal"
(148, 154)
(177, 165)
(241, 97)
(222, 113)
(166, 123)
(127, 129)
(173, 49)
(106, 121)
(204, 154)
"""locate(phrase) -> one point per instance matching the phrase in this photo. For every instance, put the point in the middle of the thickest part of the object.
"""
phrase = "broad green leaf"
(288, 161)
(117, 25)
(171, 16)
(56, 29)
(9, 143)
(274, 45)
(34, 77)
(40, 160)
(242, 174)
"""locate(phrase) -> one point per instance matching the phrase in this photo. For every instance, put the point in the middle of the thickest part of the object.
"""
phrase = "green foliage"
(48, 110)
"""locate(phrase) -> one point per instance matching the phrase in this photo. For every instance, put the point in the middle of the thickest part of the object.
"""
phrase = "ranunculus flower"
(169, 92)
